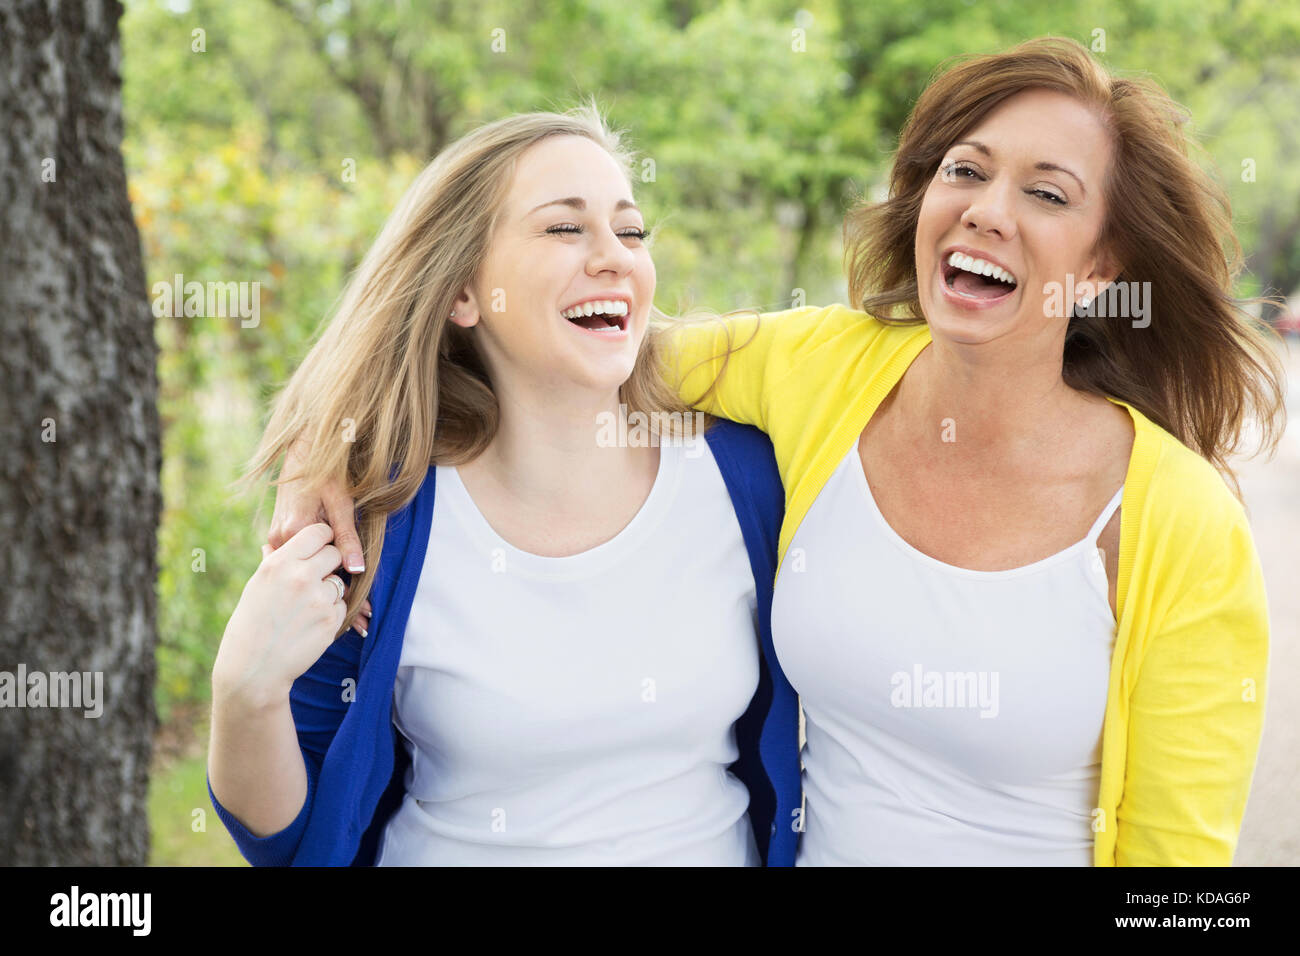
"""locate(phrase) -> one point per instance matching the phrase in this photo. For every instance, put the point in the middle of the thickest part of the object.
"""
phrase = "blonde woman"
(569, 660)
(1019, 601)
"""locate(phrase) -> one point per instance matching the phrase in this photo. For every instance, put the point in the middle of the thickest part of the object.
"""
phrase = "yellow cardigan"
(1185, 703)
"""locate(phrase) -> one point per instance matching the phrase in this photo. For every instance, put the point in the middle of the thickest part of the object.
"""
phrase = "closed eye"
(633, 233)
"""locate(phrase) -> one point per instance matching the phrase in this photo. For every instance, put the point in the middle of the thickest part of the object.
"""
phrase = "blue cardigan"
(354, 757)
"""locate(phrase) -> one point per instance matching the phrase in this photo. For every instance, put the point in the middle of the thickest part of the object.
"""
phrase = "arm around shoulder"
(726, 365)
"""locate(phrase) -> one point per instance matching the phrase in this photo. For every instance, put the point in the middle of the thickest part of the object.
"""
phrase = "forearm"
(255, 765)
(716, 366)
(728, 367)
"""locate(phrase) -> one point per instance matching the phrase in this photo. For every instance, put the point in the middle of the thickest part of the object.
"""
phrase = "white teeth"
(601, 307)
(980, 267)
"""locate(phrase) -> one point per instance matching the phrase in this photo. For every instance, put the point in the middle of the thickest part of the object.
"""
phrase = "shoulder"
(747, 462)
(821, 341)
(811, 327)
(1186, 485)
(791, 330)
(743, 449)
(733, 438)
(1192, 533)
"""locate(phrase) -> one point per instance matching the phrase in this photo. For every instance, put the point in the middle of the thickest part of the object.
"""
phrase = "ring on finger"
(338, 584)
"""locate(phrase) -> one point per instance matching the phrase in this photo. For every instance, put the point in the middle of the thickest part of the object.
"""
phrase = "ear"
(1103, 272)
(466, 311)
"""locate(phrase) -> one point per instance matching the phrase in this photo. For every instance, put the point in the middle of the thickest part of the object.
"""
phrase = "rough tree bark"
(79, 469)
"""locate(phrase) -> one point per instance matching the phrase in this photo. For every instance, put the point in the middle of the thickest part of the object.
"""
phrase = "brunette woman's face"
(569, 240)
(1022, 190)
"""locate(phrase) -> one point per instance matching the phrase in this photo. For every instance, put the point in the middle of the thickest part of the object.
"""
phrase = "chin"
(963, 331)
(608, 376)
(965, 328)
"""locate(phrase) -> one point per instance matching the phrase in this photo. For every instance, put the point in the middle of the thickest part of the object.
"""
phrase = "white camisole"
(953, 716)
(578, 710)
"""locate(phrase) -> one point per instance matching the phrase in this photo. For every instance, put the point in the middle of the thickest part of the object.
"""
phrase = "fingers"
(341, 513)
(294, 510)
(308, 542)
(336, 588)
(323, 562)
(298, 567)
(287, 523)
(361, 624)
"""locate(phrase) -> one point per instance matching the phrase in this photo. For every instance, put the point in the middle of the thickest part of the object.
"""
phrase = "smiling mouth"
(973, 285)
(600, 317)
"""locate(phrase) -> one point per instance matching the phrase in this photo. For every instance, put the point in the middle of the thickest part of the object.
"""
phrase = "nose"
(609, 254)
(991, 211)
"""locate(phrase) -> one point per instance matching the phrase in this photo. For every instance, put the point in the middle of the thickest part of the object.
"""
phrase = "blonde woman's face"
(1022, 190)
(569, 240)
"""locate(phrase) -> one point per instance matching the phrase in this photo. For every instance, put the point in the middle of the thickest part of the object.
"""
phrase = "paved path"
(1270, 832)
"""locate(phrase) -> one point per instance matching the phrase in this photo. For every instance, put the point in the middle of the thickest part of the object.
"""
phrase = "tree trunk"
(79, 493)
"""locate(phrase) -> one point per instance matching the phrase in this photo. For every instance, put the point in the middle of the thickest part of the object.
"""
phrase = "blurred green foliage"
(763, 120)
(184, 828)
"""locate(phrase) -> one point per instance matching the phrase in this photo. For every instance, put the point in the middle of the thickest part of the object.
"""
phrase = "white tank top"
(578, 710)
(953, 716)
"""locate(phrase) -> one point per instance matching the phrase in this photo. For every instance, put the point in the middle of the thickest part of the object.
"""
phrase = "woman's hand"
(285, 619)
(295, 510)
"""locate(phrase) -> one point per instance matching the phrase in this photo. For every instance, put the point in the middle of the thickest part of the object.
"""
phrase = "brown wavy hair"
(392, 385)
(1204, 366)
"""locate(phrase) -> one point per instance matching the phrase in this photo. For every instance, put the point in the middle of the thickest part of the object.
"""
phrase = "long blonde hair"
(1203, 365)
(393, 386)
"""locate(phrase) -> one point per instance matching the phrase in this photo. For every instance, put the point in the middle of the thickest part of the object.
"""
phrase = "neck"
(994, 400)
(545, 454)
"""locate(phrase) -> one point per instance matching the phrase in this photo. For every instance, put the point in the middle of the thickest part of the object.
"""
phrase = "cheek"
(648, 274)
(939, 208)
(933, 223)
(929, 227)
(929, 200)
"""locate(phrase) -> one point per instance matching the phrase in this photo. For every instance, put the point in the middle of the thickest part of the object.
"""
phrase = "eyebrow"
(577, 202)
(1049, 167)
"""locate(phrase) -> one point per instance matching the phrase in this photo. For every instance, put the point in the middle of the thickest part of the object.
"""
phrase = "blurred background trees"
(267, 140)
